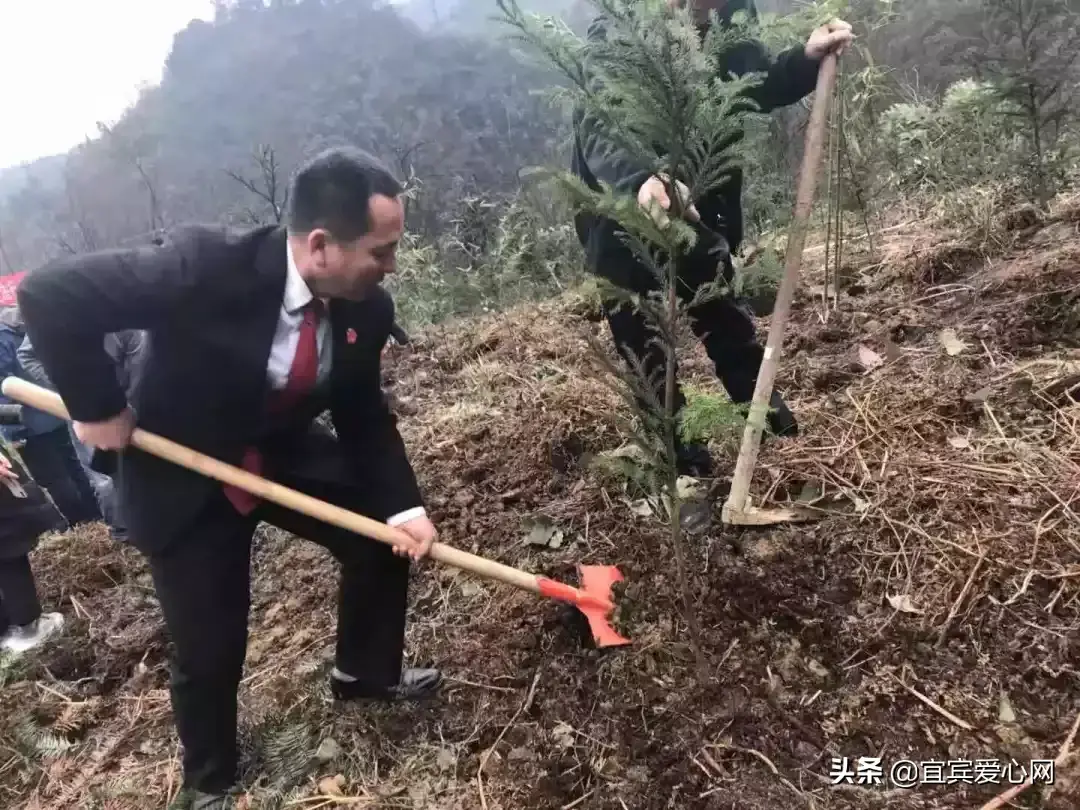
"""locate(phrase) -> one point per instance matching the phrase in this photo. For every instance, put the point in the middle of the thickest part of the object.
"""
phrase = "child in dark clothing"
(25, 514)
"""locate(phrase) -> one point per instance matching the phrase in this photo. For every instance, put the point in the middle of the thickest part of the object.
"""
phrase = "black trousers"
(720, 323)
(203, 583)
(54, 464)
(19, 604)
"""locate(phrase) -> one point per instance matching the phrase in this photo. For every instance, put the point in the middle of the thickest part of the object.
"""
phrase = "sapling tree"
(652, 83)
(1028, 51)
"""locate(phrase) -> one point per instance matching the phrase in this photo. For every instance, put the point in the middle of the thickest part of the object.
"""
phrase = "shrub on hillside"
(493, 256)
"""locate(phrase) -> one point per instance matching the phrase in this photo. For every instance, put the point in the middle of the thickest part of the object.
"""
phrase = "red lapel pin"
(350, 335)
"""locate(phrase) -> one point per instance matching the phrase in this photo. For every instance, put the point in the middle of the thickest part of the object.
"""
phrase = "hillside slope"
(460, 113)
(930, 614)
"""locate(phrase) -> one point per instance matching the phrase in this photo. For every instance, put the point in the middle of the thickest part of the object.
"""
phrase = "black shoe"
(780, 418)
(415, 684)
(694, 460)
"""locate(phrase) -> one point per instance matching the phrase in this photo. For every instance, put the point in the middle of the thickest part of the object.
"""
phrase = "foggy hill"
(432, 86)
(454, 110)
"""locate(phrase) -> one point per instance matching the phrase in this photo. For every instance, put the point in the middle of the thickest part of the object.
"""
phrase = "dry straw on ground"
(930, 614)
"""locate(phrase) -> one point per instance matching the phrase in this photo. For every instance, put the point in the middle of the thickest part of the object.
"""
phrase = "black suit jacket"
(209, 299)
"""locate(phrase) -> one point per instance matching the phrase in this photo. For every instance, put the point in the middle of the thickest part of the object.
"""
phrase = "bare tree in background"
(1029, 51)
(81, 235)
(269, 185)
(134, 152)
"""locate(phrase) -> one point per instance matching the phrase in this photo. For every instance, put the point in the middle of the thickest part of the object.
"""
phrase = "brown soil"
(930, 613)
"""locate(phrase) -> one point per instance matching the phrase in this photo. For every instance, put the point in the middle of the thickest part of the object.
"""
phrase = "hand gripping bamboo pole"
(735, 508)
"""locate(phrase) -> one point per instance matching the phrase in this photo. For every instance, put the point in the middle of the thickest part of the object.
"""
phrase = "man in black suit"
(249, 337)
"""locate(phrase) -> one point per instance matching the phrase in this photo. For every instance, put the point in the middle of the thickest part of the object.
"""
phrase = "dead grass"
(930, 614)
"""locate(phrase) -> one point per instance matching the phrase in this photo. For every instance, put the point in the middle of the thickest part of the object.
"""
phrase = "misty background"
(250, 87)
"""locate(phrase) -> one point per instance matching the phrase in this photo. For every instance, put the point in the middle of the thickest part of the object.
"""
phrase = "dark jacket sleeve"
(367, 427)
(601, 158)
(9, 343)
(33, 368)
(788, 79)
(32, 422)
(70, 305)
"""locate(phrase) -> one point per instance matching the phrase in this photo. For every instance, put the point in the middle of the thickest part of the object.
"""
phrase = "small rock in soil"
(329, 750)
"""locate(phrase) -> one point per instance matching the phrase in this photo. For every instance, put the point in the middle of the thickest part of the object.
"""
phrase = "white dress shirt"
(287, 338)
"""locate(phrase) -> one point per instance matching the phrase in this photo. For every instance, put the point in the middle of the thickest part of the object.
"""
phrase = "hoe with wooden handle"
(593, 598)
(737, 509)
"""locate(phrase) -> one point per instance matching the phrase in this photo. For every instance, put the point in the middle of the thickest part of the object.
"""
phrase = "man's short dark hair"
(333, 190)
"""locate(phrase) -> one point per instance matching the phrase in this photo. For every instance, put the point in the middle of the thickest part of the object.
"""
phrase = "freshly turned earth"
(945, 564)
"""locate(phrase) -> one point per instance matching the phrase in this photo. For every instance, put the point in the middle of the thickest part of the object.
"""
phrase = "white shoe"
(22, 639)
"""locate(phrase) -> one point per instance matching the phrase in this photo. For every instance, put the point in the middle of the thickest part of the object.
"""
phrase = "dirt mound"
(930, 614)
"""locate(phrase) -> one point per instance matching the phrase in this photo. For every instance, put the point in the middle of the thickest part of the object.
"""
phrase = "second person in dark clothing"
(47, 449)
(126, 350)
(726, 331)
(25, 513)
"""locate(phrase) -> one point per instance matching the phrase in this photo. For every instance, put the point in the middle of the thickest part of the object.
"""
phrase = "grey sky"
(66, 64)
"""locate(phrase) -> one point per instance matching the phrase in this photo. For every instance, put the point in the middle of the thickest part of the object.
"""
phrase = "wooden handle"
(49, 401)
(804, 201)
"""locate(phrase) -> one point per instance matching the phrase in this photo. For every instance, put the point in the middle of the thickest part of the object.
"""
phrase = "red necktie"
(303, 375)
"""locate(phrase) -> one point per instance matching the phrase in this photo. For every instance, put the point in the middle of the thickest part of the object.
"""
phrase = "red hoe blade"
(593, 599)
